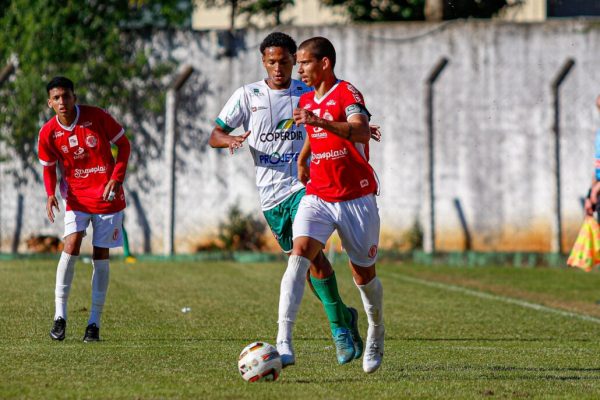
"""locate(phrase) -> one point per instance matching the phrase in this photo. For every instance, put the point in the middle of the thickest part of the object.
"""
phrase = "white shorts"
(108, 228)
(357, 223)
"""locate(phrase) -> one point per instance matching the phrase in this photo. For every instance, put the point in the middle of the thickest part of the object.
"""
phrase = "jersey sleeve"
(235, 112)
(46, 155)
(112, 129)
(353, 102)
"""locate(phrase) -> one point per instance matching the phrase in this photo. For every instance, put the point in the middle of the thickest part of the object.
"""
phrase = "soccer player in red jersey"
(340, 195)
(78, 139)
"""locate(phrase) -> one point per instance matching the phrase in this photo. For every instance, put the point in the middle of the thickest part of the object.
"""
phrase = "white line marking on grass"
(503, 299)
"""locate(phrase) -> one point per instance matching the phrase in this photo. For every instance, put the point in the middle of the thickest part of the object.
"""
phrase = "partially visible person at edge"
(264, 109)
(591, 200)
(341, 187)
(78, 139)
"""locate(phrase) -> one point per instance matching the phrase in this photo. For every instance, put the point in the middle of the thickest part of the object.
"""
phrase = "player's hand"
(236, 142)
(303, 173)
(375, 132)
(589, 207)
(51, 203)
(111, 190)
(302, 116)
(594, 193)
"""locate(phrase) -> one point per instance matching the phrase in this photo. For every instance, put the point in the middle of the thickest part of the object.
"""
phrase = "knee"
(363, 275)
(71, 247)
(100, 253)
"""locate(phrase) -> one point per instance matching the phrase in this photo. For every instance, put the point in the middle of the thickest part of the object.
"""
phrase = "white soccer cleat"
(374, 349)
(286, 352)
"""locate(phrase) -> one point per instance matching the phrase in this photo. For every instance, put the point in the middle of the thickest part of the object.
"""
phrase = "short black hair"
(278, 39)
(62, 82)
(320, 47)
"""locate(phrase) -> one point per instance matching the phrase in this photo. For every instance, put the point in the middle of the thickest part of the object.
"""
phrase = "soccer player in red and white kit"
(78, 139)
(340, 195)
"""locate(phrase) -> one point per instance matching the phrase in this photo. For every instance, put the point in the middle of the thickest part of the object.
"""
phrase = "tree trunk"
(234, 4)
(434, 10)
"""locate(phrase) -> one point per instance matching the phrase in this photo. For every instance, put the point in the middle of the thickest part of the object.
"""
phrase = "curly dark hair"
(278, 39)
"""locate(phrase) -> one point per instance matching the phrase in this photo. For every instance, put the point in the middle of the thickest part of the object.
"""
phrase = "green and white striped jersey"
(275, 141)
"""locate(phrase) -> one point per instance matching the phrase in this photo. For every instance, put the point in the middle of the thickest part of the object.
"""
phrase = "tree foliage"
(411, 10)
(250, 8)
(472, 8)
(90, 42)
(381, 10)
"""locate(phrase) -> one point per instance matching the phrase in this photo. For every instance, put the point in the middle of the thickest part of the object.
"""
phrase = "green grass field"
(452, 332)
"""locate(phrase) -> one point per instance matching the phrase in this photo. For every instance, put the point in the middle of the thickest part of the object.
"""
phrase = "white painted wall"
(493, 121)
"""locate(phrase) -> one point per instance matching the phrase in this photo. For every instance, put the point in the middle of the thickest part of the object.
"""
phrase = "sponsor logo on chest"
(79, 153)
(277, 158)
(57, 134)
(329, 155)
(91, 140)
(73, 141)
(85, 172)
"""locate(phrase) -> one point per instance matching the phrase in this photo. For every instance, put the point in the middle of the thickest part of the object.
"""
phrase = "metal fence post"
(429, 225)
(170, 145)
(4, 75)
(557, 223)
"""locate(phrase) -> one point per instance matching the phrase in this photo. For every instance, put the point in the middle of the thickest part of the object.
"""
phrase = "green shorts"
(281, 217)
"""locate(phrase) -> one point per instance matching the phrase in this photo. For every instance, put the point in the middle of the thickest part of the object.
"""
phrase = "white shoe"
(373, 350)
(286, 352)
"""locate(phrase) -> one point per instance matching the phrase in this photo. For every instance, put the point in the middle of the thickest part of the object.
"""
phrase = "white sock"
(290, 295)
(99, 287)
(64, 277)
(372, 298)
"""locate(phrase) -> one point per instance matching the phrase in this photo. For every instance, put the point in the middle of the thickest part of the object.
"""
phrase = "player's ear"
(49, 103)
(294, 59)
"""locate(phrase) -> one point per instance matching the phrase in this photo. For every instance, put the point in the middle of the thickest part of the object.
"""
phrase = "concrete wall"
(493, 132)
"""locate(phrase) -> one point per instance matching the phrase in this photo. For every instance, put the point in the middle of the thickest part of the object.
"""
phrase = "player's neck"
(274, 86)
(325, 85)
(67, 118)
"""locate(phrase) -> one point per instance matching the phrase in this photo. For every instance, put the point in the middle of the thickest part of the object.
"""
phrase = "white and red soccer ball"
(259, 361)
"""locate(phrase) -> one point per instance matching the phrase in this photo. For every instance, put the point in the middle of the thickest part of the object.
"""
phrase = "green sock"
(347, 315)
(327, 290)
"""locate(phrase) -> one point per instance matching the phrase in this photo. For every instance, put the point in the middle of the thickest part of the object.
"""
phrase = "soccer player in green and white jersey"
(265, 110)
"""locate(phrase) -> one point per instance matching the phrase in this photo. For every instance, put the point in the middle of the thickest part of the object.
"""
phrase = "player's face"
(309, 68)
(279, 64)
(62, 101)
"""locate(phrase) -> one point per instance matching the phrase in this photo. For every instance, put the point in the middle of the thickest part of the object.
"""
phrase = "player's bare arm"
(220, 138)
(355, 129)
(303, 168)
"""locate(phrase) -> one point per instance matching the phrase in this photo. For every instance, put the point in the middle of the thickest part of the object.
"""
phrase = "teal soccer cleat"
(344, 346)
(358, 342)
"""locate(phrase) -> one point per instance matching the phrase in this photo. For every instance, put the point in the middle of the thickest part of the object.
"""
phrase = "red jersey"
(83, 153)
(339, 168)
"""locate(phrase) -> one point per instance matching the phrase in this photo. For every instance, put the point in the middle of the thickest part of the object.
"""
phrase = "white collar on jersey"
(70, 128)
(319, 100)
(285, 91)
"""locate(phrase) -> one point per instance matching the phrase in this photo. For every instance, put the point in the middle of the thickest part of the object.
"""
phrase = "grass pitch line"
(509, 300)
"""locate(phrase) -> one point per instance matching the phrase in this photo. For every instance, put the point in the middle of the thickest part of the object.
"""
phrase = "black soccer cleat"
(92, 334)
(58, 329)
